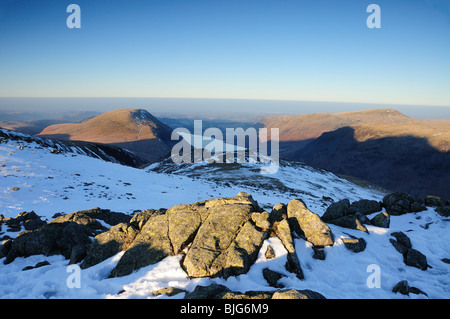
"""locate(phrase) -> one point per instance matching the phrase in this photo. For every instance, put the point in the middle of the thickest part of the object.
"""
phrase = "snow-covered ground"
(33, 178)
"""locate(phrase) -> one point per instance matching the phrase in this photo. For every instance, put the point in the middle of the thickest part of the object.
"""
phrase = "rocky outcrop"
(353, 215)
(68, 235)
(402, 203)
(216, 291)
(224, 236)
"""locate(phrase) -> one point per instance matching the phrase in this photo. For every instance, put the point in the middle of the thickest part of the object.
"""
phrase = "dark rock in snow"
(381, 220)
(404, 288)
(416, 259)
(272, 277)
(402, 203)
(354, 244)
(336, 210)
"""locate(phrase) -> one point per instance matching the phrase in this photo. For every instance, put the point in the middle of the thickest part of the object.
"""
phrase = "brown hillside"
(133, 129)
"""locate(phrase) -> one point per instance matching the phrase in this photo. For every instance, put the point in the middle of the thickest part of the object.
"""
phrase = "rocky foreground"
(217, 238)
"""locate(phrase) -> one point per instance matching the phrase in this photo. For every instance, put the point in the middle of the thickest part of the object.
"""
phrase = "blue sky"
(247, 49)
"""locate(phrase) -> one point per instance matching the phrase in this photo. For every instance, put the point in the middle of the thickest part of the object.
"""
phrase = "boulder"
(365, 207)
(402, 242)
(416, 259)
(109, 243)
(411, 257)
(444, 211)
(283, 232)
(213, 291)
(308, 224)
(401, 203)
(350, 221)
(272, 277)
(336, 210)
(381, 220)
(404, 288)
(297, 294)
(68, 235)
(56, 237)
(241, 253)
(354, 244)
(216, 291)
(434, 201)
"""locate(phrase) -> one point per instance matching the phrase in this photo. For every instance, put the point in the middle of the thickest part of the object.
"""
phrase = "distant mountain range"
(382, 146)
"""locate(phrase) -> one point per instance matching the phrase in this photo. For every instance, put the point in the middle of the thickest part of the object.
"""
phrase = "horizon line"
(217, 98)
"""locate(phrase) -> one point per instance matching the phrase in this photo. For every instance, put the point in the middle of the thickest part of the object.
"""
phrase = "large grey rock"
(218, 248)
(308, 224)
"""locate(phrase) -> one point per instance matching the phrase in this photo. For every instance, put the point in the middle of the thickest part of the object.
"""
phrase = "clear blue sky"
(241, 49)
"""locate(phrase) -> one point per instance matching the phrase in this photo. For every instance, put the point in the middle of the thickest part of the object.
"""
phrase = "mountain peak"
(133, 129)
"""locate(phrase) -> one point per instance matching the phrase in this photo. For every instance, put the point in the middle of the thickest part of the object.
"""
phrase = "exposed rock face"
(224, 237)
(308, 224)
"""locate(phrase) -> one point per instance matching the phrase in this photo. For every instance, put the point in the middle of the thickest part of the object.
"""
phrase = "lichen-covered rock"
(215, 235)
(308, 224)
(297, 294)
(184, 221)
(381, 220)
(240, 254)
(109, 243)
(150, 246)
